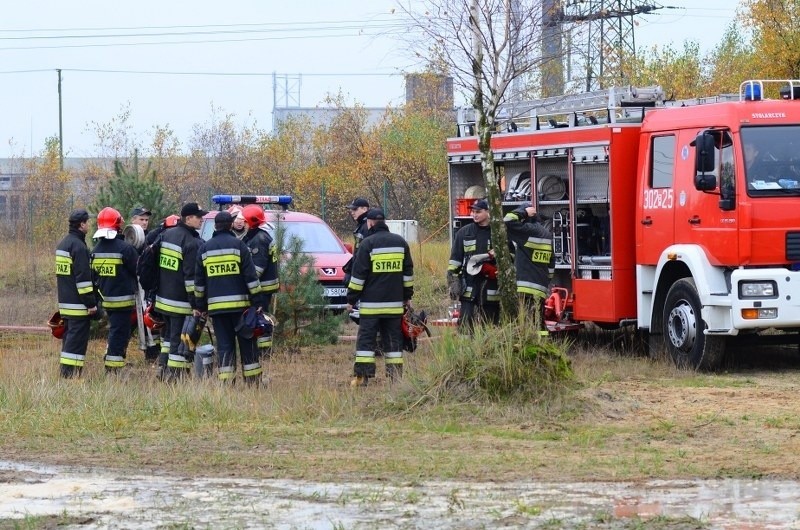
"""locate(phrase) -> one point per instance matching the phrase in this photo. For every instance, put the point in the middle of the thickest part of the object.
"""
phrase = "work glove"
(454, 286)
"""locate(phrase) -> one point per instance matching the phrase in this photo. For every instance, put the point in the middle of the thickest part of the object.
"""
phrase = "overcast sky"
(169, 62)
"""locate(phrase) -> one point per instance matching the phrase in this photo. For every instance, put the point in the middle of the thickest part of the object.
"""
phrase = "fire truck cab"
(679, 217)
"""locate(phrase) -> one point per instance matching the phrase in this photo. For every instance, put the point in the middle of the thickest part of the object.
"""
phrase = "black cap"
(78, 216)
(223, 218)
(358, 202)
(140, 210)
(480, 204)
(376, 214)
(192, 208)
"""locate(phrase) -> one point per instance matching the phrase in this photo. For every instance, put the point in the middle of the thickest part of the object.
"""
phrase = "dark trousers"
(227, 338)
(534, 305)
(173, 351)
(119, 334)
(74, 345)
(391, 335)
(472, 313)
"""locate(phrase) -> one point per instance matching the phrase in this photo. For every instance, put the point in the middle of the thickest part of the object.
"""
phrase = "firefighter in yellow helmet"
(77, 302)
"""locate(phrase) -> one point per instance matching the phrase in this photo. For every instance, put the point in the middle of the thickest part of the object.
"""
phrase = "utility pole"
(606, 29)
(60, 126)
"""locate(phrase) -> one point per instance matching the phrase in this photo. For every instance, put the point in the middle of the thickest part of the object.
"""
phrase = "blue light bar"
(752, 90)
(283, 200)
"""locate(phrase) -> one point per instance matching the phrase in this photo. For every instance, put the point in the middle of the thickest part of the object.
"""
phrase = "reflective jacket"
(74, 276)
(533, 259)
(470, 240)
(177, 259)
(265, 258)
(383, 274)
(114, 263)
(360, 232)
(225, 277)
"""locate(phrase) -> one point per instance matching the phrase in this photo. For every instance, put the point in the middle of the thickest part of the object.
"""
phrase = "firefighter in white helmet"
(114, 262)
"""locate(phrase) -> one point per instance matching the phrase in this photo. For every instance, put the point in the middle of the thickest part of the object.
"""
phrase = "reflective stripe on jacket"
(225, 277)
(74, 276)
(533, 259)
(383, 274)
(114, 263)
(177, 257)
(265, 258)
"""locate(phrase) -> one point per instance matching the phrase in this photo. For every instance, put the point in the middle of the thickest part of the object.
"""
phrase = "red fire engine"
(681, 217)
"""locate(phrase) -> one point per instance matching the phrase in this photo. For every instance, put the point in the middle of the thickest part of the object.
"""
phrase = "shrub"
(509, 362)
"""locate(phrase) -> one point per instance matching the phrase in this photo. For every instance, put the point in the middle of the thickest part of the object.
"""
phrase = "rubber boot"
(68, 371)
(253, 381)
(173, 375)
(359, 380)
(394, 372)
(151, 353)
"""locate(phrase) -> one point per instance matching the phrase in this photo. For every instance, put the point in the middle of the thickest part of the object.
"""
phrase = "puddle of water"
(139, 501)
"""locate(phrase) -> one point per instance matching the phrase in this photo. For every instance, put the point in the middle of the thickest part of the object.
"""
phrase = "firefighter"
(477, 292)
(239, 227)
(358, 211)
(265, 258)
(168, 222)
(114, 262)
(141, 216)
(153, 350)
(77, 302)
(533, 260)
(175, 296)
(382, 285)
(226, 284)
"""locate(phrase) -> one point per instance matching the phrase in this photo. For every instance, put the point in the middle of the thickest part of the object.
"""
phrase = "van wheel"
(686, 343)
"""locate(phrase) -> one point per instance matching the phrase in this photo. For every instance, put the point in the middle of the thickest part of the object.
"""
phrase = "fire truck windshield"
(772, 160)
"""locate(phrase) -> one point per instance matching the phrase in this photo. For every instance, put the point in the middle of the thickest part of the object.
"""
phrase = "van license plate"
(333, 292)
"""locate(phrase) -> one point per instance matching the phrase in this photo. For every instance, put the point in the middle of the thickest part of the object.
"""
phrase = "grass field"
(621, 417)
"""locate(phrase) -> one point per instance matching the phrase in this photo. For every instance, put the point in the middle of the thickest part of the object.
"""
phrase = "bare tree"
(490, 47)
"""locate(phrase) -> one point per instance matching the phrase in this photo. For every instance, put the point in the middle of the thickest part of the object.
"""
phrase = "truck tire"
(684, 330)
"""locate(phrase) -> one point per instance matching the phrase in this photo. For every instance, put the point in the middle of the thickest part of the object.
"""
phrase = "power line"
(197, 26)
(281, 29)
(231, 74)
(212, 41)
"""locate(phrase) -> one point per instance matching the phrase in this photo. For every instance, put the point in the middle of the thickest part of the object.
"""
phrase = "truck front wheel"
(684, 330)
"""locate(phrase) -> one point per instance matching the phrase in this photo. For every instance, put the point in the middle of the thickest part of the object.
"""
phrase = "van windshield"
(316, 237)
(772, 160)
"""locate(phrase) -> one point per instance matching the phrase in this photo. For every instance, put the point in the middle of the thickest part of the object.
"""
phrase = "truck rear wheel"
(684, 330)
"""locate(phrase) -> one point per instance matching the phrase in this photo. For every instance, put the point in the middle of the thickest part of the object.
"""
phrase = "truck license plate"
(333, 292)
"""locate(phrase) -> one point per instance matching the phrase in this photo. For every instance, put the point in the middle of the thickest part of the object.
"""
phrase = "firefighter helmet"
(109, 223)
(171, 220)
(254, 215)
(151, 319)
(57, 325)
(413, 325)
(254, 324)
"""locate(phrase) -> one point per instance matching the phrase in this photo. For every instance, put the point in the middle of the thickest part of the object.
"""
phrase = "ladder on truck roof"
(618, 104)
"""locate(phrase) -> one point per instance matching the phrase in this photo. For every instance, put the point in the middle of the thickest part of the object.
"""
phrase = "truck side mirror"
(704, 162)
